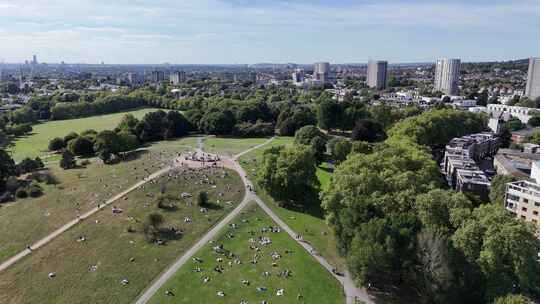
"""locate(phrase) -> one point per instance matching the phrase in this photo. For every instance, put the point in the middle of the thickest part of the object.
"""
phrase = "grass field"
(37, 142)
(308, 279)
(91, 271)
(310, 223)
(28, 220)
(230, 146)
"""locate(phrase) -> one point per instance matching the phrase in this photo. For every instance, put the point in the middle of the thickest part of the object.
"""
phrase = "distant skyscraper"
(377, 74)
(533, 78)
(321, 71)
(34, 59)
(298, 76)
(177, 77)
(447, 76)
(157, 76)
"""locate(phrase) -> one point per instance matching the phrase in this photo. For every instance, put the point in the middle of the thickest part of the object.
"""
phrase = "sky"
(277, 31)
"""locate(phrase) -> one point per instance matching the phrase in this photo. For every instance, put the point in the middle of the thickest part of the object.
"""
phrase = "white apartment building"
(447, 76)
(533, 78)
(523, 197)
(521, 113)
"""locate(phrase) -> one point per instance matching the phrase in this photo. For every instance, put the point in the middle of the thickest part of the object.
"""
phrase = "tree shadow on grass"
(212, 206)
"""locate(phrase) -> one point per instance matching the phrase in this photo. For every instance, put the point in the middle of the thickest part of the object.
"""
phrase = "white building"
(447, 76)
(521, 113)
(321, 71)
(533, 78)
(523, 197)
(177, 77)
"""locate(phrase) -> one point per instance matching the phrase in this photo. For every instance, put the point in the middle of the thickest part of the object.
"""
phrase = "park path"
(352, 293)
(42, 242)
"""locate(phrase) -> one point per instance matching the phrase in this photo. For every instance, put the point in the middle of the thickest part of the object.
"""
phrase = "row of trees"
(127, 136)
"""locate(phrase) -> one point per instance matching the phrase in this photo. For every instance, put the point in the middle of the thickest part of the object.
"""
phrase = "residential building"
(516, 163)
(157, 76)
(461, 162)
(321, 72)
(177, 77)
(298, 77)
(134, 79)
(447, 76)
(377, 74)
(521, 113)
(523, 197)
(533, 78)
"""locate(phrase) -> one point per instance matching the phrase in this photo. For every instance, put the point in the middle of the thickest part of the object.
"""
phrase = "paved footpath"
(351, 291)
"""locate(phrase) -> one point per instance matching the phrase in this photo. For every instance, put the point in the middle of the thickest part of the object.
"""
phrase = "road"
(351, 291)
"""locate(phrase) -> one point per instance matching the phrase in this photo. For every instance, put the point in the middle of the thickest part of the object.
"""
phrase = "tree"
(305, 135)
(68, 160)
(202, 199)
(70, 136)
(534, 121)
(339, 149)
(439, 210)
(318, 146)
(288, 174)
(29, 165)
(127, 124)
(503, 249)
(7, 167)
(368, 130)
(435, 128)
(498, 188)
(328, 114)
(81, 146)
(176, 125)
(127, 142)
(514, 124)
(370, 205)
(482, 98)
(56, 144)
(107, 143)
(217, 122)
(361, 147)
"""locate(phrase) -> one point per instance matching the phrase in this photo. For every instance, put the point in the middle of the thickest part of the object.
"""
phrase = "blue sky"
(251, 31)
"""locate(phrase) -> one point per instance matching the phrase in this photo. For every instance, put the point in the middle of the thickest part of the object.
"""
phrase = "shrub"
(21, 193)
(56, 144)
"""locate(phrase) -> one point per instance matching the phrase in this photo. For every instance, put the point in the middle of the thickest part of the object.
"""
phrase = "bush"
(56, 144)
(69, 137)
(21, 193)
(202, 199)
(81, 146)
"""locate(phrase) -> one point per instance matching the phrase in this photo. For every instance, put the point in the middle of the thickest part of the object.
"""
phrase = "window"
(535, 212)
(537, 204)
(526, 201)
(523, 217)
(534, 221)
(524, 209)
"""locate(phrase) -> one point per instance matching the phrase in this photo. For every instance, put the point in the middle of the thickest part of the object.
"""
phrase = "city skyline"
(247, 32)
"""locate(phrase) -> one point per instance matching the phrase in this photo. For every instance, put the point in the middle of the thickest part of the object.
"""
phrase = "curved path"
(352, 293)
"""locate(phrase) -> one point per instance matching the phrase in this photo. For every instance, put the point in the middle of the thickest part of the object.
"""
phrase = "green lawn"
(37, 142)
(27, 220)
(307, 279)
(230, 146)
(310, 223)
(91, 271)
